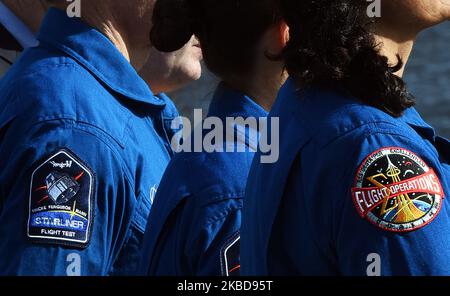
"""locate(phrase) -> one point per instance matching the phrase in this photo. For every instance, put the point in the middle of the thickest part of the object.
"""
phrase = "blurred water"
(427, 76)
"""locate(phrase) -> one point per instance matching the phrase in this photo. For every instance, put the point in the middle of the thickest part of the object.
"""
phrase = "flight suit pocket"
(128, 261)
(140, 216)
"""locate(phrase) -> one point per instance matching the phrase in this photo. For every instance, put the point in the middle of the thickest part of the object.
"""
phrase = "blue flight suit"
(83, 147)
(194, 224)
(170, 124)
(355, 192)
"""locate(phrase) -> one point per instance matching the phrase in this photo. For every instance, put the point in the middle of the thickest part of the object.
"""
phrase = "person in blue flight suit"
(194, 224)
(362, 184)
(83, 144)
(168, 72)
(164, 72)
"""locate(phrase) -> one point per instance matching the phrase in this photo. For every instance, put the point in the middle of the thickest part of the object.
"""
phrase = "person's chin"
(197, 75)
(197, 52)
(194, 71)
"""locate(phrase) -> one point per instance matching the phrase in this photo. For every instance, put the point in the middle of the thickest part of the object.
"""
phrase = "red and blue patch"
(397, 191)
(61, 203)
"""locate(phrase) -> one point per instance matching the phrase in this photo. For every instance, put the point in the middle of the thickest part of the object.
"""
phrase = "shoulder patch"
(230, 256)
(61, 201)
(397, 191)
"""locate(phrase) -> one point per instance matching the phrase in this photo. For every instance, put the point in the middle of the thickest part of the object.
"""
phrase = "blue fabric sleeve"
(415, 238)
(113, 200)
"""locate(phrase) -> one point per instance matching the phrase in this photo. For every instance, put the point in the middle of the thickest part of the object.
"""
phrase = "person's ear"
(284, 33)
(277, 38)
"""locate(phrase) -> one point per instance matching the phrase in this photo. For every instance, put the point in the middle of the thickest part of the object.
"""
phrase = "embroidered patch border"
(229, 256)
(397, 191)
(61, 201)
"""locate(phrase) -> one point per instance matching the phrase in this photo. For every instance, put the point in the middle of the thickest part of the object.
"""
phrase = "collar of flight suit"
(233, 103)
(97, 54)
(413, 119)
(230, 103)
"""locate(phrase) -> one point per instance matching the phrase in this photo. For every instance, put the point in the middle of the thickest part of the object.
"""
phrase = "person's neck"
(133, 54)
(263, 87)
(393, 45)
(30, 12)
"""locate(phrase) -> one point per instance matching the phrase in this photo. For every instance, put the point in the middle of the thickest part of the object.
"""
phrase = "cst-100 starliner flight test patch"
(61, 204)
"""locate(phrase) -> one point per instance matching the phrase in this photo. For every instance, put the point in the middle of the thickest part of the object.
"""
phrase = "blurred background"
(427, 76)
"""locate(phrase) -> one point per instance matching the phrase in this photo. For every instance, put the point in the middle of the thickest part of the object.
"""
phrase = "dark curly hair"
(331, 46)
(228, 30)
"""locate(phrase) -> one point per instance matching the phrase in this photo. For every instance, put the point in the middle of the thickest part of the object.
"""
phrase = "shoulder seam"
(72, 121)
(25, 75)
(71, 125)
(372, 128)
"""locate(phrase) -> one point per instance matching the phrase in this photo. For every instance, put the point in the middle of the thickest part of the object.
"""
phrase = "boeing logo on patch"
(62, 165)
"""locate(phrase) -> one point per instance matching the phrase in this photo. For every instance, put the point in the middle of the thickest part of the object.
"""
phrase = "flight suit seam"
(222, 197)
(227, 212)
(41, 69)
(179, 247)
(17, 83)
(73, 117)
(72, 120)
(69, 124)
(119, 157)
(429, 151)
(367, 128)
(127, 233)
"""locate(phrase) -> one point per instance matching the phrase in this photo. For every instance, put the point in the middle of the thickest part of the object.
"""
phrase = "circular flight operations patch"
(397, 191)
